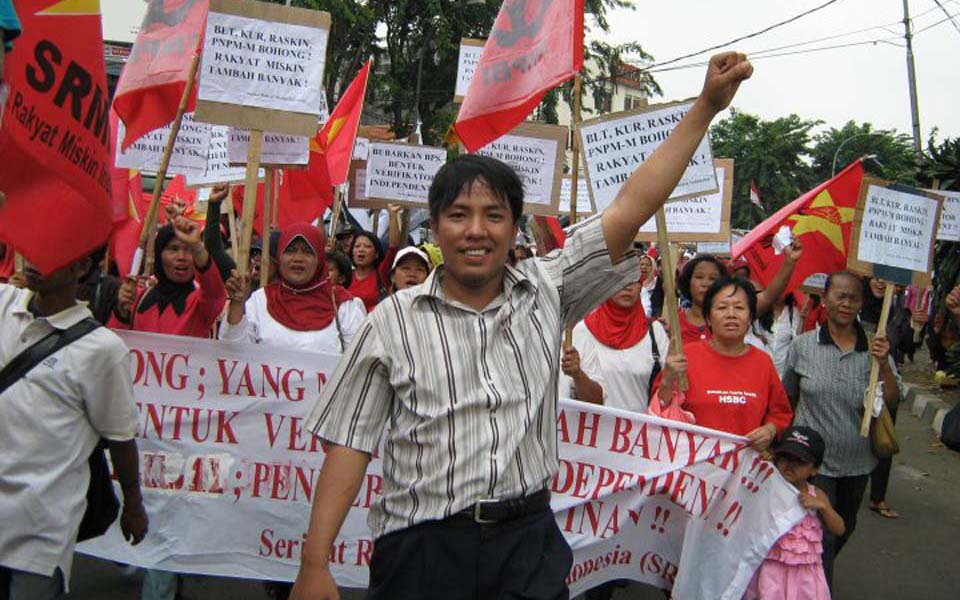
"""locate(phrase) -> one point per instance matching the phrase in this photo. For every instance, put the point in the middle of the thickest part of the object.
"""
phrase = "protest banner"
(535, 152)
(263, 66)
(400, 173)
(467, 61)
(218, 169)
(584, 206)
(698, 218)
(228, 475)
(948, 229)
(894, 230)
(615, 145)
(189, 154)
(278, 150)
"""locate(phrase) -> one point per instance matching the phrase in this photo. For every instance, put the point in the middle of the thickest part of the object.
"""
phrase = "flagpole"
(249, 200)
(150, 222)
(335, 218)
(670, 289)
(18, 264)
(232, 216)
(871, 391)
(265, 228)
(575, 173)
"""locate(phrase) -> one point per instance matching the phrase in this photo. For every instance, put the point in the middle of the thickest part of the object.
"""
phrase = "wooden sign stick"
(874, 363)
(150, 222)
(249, 200)
(265, 242)
(670, 290)
(376, 222)
(335, 219)
(232, 216)
(574, 175)
(18, 264)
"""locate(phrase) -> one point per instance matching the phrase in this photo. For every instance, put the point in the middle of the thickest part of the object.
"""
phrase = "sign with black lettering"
(615, 145)
(584, 206)
(189, 155)
(218, 169)
(949, 227)
(400, 173)
(894, 230)
(262, 66)
(699, 218)
(469, 58)
(277, 150)
(535, 152)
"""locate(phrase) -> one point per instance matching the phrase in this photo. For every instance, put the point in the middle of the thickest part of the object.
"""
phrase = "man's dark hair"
(738, 283)
(687, 274)
(831, 278)
(460, 173)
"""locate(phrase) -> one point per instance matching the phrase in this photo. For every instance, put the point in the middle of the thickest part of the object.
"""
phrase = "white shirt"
(784, 331)
(50, 421)
(258, 326)
(625, 372)
(589, 364)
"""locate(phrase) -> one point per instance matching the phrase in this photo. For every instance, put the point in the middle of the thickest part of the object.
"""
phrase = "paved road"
(914, 557)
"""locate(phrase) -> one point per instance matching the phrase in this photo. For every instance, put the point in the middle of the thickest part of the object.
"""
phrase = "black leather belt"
(486, 512)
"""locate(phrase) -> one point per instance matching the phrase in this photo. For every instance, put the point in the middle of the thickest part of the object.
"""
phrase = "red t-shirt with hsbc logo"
(735, 394)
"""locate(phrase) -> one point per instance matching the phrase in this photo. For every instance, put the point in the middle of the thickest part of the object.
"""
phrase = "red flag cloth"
(336, 138)
(55, 136)
(755, 194)
(155, 75)
(535, 46)
(302, 197)
(551, 233)
(821, 219)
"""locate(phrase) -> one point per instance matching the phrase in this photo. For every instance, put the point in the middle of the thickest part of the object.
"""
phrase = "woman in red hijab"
(302, 309)
(628, 348)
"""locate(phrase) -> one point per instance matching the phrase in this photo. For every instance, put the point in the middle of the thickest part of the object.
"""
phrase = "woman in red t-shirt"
(371, 266)
(732, 386)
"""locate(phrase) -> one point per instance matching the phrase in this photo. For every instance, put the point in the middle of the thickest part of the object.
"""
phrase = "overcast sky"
(864, 83)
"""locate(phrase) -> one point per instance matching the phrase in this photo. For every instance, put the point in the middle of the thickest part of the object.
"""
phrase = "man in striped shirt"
(462, 373)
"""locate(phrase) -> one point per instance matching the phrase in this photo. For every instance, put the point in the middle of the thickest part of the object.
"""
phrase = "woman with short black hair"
(371, 265)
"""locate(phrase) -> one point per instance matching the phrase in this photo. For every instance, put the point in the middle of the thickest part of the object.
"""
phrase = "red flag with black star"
(535, 46)
(55, 136)
(153, 80)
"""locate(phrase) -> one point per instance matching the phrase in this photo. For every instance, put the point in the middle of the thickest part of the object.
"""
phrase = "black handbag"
(102, 503)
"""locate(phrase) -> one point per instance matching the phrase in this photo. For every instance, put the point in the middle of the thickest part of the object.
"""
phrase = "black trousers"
(880, 477)
(456, 559)
(846, 496)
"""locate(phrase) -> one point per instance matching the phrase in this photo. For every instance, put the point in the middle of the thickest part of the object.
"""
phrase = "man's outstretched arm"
(652, 183)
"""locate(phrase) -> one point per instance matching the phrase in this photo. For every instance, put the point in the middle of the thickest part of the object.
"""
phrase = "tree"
(941, 163)
(774, 154)
(893, 153)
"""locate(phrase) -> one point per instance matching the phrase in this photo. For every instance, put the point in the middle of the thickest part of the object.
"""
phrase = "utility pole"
(912, 79)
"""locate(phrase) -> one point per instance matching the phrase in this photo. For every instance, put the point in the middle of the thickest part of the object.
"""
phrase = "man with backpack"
(64, 385)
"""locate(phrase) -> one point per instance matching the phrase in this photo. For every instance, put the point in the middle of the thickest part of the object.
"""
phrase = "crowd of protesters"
(799, 383)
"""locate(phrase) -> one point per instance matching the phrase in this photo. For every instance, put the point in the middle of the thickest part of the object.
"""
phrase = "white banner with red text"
(228, 474)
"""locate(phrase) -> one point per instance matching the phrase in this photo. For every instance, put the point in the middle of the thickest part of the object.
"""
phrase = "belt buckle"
(476, 511)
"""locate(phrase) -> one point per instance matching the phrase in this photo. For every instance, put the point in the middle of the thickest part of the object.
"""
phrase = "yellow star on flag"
(73, 7)
(825, 217)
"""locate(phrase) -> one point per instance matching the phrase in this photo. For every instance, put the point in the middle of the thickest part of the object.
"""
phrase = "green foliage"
(894, 159)
(941, 163)
(774, 153)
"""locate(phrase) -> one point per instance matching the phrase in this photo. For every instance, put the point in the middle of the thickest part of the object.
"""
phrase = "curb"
(925, 406)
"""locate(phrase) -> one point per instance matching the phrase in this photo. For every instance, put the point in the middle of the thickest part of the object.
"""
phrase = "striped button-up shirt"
(470, 396)
(826, 384)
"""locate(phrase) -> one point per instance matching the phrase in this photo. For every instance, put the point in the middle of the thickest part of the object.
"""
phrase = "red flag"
(155, 76)
(551, 235)
(535, 46)
(821, 219)
(336, 139)
(755, 194)
(126, 234)
(55, 137)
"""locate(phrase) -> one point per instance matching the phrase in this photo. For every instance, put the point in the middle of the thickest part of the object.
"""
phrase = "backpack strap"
(22, 363)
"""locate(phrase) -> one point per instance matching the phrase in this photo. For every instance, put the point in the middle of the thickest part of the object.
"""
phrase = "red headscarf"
(617, 327)
(307, 307)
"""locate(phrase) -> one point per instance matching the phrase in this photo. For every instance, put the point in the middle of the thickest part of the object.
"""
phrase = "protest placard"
(361, 148)
(948, 229)
(699, 218)
(469, 58)
(715, 248)
(228, 473)
(188, 157)
(278, 150)
(615, 145)
(358, 182)
(584, 206)
(400, 173)
(893, 232)
(535, 152)
(218, 169)
(262, 66)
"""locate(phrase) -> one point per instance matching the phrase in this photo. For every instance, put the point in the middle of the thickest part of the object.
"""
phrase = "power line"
(949, 18)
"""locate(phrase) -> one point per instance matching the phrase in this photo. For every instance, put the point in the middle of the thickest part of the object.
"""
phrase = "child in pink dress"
(793, 569)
